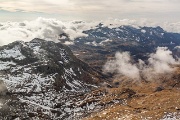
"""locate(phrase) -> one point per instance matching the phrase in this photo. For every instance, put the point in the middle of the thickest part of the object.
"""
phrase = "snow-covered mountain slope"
(42, 75)
(103, 36)
(105, 41)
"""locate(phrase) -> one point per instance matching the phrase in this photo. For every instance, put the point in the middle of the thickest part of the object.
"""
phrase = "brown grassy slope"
(147, 100)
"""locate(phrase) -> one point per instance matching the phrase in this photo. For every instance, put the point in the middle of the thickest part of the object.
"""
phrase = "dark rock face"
(3, 88)
(158, 89)
(40, 74)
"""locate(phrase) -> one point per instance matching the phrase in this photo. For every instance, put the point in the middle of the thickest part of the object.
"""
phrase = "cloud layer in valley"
(50, 29)
(122, 65)
(159, 62)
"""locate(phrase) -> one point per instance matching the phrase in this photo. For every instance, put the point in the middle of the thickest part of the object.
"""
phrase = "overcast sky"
(158, 10)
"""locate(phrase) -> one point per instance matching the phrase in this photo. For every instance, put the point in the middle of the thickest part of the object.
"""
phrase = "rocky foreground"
(142, 100)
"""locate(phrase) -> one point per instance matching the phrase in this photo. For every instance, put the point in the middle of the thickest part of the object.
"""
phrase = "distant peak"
(37, 40)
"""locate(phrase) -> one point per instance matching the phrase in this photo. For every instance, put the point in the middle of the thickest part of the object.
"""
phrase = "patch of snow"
(105, 41)
(88, 43)
(63, 55)
(90, 106)
(30, 102)
(68, 43)
(143, 31)
(60, 62)
(177, 47)
(12, 53)
(172, 43)
(6, 65)
(1, 105)
(94, 43)
(36, 49)
(151, 33)
(171, 116)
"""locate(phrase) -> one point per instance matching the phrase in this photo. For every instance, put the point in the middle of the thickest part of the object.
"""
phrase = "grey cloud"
(129, 8)
(99, 9)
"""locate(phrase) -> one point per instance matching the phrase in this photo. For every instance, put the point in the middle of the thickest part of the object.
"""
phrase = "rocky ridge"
(43, 78)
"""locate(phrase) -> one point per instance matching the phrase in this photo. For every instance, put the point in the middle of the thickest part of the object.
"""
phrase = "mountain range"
(104, 42)
(51, 81)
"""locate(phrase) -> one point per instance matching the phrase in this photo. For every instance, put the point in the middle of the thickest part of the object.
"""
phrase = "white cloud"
(159, 62)
(122, 65)
(50, 29)
(167, 26)
(162, 54)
